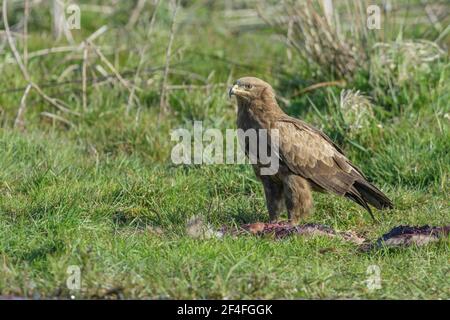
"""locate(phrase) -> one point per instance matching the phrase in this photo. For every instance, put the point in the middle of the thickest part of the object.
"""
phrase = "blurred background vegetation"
(115, 77)
(110, 95)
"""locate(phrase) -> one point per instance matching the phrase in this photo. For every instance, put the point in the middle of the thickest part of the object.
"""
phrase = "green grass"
(104, 195)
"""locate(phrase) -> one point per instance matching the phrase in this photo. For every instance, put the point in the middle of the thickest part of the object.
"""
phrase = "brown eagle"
(308, 159)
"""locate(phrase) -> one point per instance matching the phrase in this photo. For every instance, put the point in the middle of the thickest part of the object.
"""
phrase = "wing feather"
(311, 154)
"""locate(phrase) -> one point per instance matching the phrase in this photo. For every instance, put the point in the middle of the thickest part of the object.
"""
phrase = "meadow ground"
(96, 188)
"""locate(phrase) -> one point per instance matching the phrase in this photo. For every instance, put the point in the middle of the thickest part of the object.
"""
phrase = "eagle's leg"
(298, 197)
(273, 191)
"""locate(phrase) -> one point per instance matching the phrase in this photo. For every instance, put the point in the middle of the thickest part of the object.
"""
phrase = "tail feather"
(364, 193)
(356, 197)
(373, 195)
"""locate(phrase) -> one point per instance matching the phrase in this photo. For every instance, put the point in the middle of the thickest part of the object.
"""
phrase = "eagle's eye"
(248, 86)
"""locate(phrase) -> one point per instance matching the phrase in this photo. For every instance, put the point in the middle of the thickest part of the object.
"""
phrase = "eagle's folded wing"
(306, 152)
(309, 153)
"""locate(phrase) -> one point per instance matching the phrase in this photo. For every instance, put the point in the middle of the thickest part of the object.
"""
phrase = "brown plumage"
(309, 160)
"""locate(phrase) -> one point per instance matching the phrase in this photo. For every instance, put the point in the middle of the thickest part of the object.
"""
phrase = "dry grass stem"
(163, 99)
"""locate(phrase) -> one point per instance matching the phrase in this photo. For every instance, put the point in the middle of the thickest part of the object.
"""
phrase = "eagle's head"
(251, 88)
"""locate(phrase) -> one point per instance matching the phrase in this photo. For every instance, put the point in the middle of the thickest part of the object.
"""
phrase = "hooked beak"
(232, 90)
